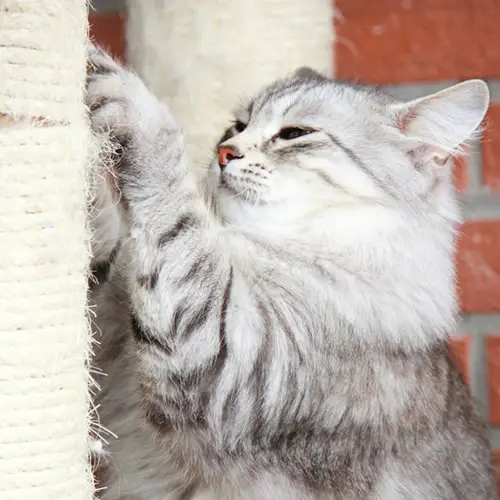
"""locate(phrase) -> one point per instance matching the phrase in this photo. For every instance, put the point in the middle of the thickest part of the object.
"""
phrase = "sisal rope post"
(202, 57)
(44, 338)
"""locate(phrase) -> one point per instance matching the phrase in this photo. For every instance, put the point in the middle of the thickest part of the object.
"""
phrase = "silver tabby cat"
(278, 330)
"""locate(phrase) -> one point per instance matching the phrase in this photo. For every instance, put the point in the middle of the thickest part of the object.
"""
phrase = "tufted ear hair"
(307, 73)
(443, 121)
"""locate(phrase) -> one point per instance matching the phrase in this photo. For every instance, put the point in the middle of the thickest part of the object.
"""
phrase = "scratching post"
(43, 252)
(201, 57)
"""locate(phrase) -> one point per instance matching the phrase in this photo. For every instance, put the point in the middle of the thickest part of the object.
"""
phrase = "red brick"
(391, 41)
(478, 266)
(493, 356)
(108, 30)
(461, 173)
(491, 148)
(460, 350)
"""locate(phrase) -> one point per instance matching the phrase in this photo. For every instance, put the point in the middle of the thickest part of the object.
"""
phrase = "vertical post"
(44, 338)
(202, 57)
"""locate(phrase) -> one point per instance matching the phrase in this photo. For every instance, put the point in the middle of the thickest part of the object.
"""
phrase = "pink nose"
(226, 154)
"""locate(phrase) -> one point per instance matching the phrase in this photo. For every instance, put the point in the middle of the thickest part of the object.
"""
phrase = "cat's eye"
(239, 126)
(289, 133)
(236, 128)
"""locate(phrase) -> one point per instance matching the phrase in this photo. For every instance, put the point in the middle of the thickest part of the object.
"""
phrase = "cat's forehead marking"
(338, 106)
(306, 98)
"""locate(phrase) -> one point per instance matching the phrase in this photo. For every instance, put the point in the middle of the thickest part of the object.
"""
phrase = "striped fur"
(286, 341)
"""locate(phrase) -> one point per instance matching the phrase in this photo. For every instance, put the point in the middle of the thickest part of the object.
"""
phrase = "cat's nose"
(226, 154)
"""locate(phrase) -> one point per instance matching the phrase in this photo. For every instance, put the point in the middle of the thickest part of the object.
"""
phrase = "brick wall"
(413, 47)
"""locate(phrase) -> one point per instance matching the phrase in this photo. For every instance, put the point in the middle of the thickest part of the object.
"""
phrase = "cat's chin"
(231, 207)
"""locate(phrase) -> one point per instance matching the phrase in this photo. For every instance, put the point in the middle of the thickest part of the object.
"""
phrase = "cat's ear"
(444, 121)
(307, 73)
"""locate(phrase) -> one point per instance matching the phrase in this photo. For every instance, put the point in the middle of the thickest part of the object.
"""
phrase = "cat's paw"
(116, 98)
(119, 103)
(127, 117)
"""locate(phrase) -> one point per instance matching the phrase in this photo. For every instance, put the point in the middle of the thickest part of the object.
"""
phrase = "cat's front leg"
(210, 334)
(179, 270)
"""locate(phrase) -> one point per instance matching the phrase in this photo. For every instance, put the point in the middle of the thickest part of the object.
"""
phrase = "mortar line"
(105, 6)
(474, 168)
(478, 375)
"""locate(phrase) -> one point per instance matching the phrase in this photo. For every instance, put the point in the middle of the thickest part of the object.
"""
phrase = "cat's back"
(439, 450)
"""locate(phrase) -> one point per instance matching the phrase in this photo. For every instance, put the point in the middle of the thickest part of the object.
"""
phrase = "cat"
(278, 330)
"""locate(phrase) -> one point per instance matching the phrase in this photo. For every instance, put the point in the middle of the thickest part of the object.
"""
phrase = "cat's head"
(307, 144)
(357, 181)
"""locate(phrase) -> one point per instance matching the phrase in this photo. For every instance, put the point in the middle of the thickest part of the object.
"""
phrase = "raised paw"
(131, 123)
(108, 94)
(118, 100)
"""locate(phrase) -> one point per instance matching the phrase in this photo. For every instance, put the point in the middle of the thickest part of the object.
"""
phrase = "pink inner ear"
(403, 120)
(422, 153)
(417, 156)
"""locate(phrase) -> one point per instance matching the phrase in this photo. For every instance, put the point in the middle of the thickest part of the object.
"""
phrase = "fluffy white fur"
(285, 343)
